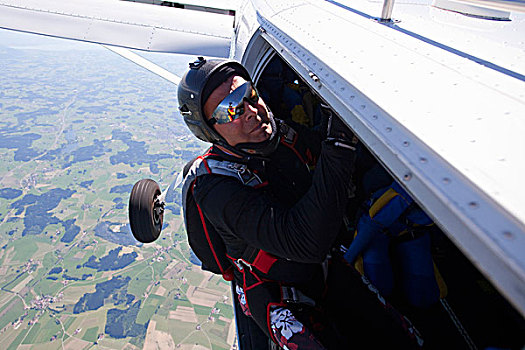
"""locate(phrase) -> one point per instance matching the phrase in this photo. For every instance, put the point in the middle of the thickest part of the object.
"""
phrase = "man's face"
(252, 126)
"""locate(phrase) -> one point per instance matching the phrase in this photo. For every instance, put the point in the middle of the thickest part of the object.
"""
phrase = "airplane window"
(288, 96)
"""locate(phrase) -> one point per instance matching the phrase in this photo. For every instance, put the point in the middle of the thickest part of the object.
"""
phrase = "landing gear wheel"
(146, 211)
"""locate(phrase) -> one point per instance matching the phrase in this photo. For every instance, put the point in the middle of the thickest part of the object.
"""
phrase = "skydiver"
(255, 212)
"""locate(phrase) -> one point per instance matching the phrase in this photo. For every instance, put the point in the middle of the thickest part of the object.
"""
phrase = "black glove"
(337, 133)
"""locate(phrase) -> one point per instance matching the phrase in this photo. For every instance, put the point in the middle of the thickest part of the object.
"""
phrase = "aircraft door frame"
(257, 55)
(449, 198)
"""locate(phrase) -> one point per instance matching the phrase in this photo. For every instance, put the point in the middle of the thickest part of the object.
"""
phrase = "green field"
(160, 266)
(218, 347)
(202, 310)
(46, 286)
(14, 309)
(69, 321)
(25, 248)
(180, 333)
(140, 282)
(226, 310)
(149, 308)
(30, 337)
(17, 340)
(194, 279)
(181, 302)
(49, 329)
(83, 125)
(198, 338)
(91, 334)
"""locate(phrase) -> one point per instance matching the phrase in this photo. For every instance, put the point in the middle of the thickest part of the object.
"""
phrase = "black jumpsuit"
(296, 215)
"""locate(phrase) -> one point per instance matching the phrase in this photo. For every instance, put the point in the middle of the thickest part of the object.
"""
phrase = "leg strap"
(292, 295)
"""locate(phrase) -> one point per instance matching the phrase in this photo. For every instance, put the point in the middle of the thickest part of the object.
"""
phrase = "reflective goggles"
(232, 107)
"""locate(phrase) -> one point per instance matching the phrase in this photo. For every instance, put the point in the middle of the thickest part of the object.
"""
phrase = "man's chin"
(268, 130)
(260, 138)
(262, 130)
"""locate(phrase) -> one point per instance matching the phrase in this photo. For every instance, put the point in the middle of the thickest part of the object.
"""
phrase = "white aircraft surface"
(434, 89)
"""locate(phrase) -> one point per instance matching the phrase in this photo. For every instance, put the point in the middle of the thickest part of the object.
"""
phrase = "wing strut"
(144, 63)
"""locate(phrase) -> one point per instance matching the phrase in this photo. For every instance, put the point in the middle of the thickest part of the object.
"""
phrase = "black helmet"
(194, 89)
(191, 99)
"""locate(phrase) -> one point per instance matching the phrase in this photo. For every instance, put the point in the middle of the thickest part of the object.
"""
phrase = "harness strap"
(227, 272)
(204, 165)
(289, 139)
(292, 295)
(289, 135)
(382, 201)
(254, 257)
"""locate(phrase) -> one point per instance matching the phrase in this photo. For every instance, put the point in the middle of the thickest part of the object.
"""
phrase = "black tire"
(144, 217)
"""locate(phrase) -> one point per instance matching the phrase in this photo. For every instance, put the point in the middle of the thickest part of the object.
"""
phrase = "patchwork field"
(79, 127)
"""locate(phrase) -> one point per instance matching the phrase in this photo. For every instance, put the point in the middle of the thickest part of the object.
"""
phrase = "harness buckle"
(241, 264)
(288, 134)
(292, 295)
(245, 175)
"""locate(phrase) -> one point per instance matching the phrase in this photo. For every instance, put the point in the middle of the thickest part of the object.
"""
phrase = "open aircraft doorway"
(468, 312)
(471, 313)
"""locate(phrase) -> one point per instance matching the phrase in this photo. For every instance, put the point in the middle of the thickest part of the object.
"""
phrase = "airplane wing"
(126, 24)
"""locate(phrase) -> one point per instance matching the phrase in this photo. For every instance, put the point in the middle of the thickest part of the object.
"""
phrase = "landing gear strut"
(146, 211)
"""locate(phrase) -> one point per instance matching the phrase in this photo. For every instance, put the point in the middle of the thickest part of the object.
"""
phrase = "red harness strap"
(291, 145)
(264, 261)
(252, 257)
(227, 273)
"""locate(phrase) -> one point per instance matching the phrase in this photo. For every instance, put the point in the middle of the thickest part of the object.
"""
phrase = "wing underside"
(126, 24)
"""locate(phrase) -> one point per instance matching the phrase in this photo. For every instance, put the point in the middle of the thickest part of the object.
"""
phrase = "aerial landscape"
(80, 125)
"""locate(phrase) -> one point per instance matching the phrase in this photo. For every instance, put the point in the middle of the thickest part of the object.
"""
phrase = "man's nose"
(250, 111)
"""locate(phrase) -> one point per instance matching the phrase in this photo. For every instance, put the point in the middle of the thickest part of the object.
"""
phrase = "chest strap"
(254, 257)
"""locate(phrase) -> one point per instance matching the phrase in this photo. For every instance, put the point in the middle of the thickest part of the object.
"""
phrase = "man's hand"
(337, 133)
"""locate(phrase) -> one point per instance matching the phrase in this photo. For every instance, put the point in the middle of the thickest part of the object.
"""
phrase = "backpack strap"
(290, 138)
(225, 271)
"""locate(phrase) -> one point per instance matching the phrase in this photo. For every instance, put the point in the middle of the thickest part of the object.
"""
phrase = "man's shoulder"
(217, 188)
(220, 177)
(203, 173)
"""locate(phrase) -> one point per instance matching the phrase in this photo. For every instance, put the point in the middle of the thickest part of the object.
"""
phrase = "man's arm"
(301, 233)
